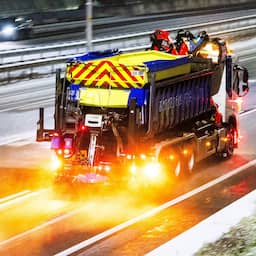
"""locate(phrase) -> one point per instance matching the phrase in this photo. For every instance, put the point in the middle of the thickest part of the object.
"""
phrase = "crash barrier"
(122, 41)
(45, 64)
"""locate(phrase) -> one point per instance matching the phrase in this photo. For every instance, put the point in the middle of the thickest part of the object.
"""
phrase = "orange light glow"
(107, 168)
(143, 156)
(129, 157)
(55, 163)
(66, 151)
(239, 102)
(68, 143)
(151, 170)
(185, 152)
(229, 50)
(210, 51)
(208, 144)
(171, 157)
(225, 139)
(59, 151)
(133, 169)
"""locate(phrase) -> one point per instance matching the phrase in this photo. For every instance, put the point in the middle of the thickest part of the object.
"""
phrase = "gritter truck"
(145, 116)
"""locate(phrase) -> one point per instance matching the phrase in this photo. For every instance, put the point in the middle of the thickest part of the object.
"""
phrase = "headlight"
(152, 170)
(8, 30)
(56, 162)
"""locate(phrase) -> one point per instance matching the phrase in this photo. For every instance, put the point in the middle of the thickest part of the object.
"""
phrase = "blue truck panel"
(95, 55)
(180, 102)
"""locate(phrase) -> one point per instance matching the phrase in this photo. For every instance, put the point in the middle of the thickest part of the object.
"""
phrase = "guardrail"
(45, 64)
(124, 41)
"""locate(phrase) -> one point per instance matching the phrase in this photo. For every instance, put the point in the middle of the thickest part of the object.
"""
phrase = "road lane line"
(218, 224)
(12, 196)
(38, 228)
(22, 198)
(247, 112)
(18, 199)
(152, 212)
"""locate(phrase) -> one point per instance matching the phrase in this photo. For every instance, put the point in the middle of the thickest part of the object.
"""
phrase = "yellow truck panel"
(100, 97)
(128, 70)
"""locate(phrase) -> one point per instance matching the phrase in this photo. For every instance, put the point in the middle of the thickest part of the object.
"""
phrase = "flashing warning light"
(83, 128)
(185, 152)
(208, 144)
(105, 168)
(66, 151)
(133, 169)
(56, 162)
(225, 139)
(59, 152)
(238, 101)
(229, 50)
(129, 157)
(143, 156)
(68, 143)
(171, 157)
(210, 51)
(151, 170)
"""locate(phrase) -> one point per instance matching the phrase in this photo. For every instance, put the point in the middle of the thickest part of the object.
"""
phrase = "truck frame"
(181, 114)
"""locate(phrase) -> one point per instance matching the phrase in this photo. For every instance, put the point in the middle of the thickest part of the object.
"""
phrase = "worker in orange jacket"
(161, 41)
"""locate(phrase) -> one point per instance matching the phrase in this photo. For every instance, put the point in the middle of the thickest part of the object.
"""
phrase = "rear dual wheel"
(189, 159)
(230, 143)
(180, 162)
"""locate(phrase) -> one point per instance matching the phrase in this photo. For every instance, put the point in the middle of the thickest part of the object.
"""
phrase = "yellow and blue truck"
(144, 116)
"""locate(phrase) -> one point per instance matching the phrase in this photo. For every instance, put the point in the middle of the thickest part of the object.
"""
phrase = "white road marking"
(152, 212)
(248, 112)
(12, 196)
(44, 225)
(18, 199)
(199, 235)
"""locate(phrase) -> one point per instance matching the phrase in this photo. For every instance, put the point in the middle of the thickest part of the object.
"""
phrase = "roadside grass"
(239, 240)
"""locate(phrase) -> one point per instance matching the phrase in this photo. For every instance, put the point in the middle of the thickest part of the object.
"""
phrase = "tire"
(229, 147)
(177, 169)
(189, 160)
(172, 161)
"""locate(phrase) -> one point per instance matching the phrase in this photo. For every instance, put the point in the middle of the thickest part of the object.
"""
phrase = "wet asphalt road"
(29, 162)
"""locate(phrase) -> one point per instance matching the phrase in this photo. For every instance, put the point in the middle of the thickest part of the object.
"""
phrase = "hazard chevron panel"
(107, 73)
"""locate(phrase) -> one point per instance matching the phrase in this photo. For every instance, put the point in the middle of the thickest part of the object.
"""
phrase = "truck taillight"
(67, 151)
(68, 142)
(59, 152)
(103, 168)
(83, 128)
(56, 142)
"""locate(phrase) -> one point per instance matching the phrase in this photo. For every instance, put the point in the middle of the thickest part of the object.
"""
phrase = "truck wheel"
(175, 163)
(171, 158)
(189, 160)
(177, 168)
(229, 148)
